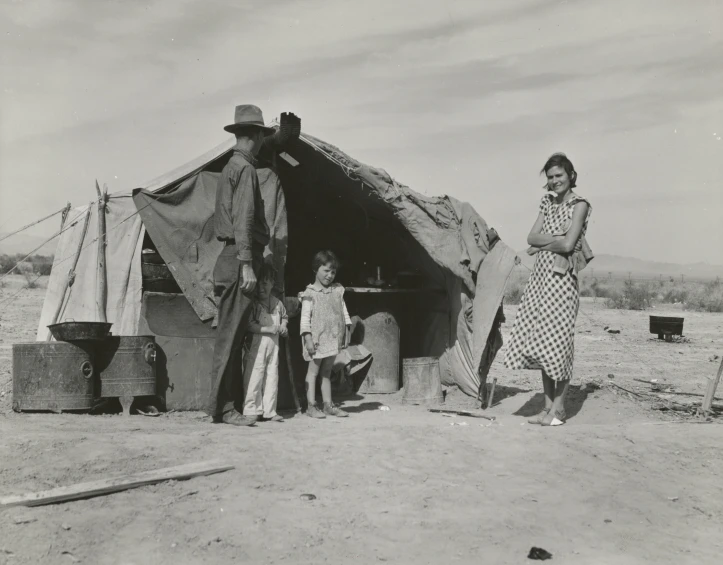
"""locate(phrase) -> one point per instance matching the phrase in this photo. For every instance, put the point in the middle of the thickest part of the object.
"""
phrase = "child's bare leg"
(326, 365)
(329, 408)
(311, 373)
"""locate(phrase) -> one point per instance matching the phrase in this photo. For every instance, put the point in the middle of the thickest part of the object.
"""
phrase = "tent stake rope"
(28, 285)
(51, 238)
(3, 238)
(69, 257)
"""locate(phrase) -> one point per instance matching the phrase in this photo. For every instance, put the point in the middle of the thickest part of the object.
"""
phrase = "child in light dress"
(325, 331)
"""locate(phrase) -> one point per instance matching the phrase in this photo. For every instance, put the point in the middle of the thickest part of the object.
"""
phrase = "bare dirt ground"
(618, 483)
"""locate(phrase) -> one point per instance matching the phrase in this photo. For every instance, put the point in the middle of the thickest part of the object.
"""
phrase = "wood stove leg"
(126, 402)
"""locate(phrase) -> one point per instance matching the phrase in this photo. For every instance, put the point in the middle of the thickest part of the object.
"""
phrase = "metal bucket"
(53, 376)
(127, 366)
(422, 381)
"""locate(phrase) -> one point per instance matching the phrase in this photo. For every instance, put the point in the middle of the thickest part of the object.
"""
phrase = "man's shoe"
(313, 412)
(331, 410)
(235, 418)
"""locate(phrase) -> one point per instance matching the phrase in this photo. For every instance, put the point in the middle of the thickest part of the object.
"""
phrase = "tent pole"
(71, 273)
(101, 291)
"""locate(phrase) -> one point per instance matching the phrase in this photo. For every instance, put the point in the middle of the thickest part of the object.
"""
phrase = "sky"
(457, 97)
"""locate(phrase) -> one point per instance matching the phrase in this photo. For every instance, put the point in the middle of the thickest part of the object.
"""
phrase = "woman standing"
(544, 331)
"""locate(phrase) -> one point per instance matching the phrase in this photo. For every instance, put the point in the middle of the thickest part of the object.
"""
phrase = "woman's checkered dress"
(543, 336)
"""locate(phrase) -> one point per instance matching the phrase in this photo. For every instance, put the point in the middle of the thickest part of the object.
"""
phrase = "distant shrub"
(634, 296)
(587, 291)
(675, 295)
(708, 298)
(38, 264)
(7, 262)
(31, 281)
(514, 292)
(616, 301)
(595, 289)
(43, 269)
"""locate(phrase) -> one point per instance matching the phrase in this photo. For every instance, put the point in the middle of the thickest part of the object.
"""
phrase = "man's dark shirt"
(239, 208)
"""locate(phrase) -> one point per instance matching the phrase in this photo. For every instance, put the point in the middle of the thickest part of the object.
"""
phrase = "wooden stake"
(101, 291)
(291, 374)
(108, 486)
(492, 393)
(64, 217)
(710, 392)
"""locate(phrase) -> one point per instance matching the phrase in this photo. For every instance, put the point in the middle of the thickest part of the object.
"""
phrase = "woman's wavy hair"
(561, 160)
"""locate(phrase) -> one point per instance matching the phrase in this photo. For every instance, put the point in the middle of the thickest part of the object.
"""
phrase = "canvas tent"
(332, 201)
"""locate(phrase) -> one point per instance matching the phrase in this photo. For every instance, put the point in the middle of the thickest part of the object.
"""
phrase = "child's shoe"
(313, 412)
(331, 410)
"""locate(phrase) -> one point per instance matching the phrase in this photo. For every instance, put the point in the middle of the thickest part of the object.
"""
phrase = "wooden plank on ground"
(460, 413)
(108, 486)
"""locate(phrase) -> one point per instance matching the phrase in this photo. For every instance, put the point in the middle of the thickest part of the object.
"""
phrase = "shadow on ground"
(576, 397)
(363, 407)
(504, 392)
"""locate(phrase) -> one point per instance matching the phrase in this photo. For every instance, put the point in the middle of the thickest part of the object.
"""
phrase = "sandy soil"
(619, 483)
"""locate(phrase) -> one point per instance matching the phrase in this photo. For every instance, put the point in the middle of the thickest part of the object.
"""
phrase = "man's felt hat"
(248, 115)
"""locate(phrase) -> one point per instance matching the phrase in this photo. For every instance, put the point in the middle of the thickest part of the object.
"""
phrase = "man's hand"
(248, 284)
(283, 330)
(309, 344)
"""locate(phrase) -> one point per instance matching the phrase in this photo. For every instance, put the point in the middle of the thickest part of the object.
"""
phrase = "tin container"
(53, 376)
(127, 366)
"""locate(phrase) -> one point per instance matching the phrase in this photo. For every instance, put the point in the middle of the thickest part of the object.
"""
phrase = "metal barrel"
(53, 376)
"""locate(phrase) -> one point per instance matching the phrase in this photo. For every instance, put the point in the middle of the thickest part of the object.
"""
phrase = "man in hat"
(241, 224)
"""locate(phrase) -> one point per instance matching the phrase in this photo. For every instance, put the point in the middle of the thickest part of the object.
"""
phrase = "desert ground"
(619, 483)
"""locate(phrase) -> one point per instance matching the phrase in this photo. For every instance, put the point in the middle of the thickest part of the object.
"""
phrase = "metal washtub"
(127, 366)
(55, 376)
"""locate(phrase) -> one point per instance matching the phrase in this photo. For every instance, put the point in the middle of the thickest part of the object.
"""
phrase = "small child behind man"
(268, 321)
